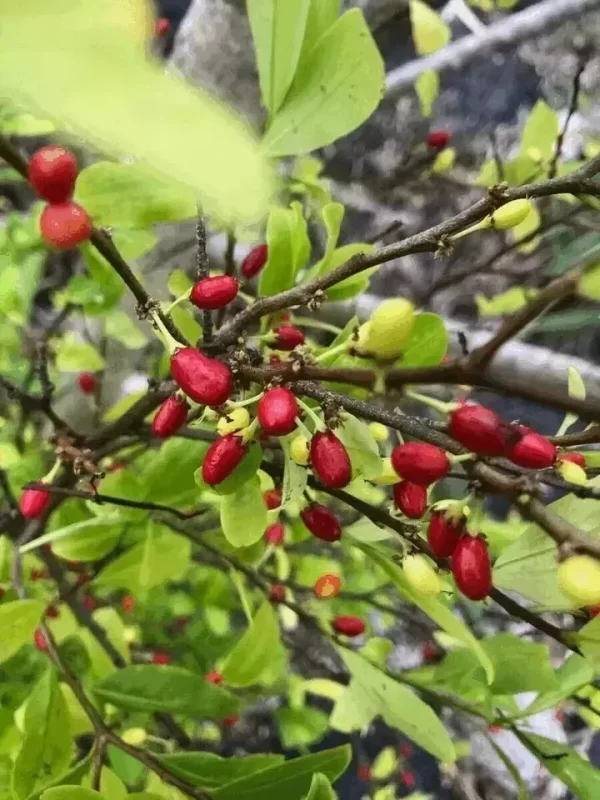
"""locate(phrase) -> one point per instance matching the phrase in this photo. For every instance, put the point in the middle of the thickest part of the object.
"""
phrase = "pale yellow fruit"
(421, 575)
(511, 215)
(299, 451)
(379, 432)
(233, 421)
(134, 736)
(579, 579)
(390, 327)
(358, 343)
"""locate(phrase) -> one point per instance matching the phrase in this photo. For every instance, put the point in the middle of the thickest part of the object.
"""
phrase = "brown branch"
(581, 65)
(202, 271)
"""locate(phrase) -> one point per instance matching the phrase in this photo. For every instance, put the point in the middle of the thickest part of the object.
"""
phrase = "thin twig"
(202, 271)
(573, 105)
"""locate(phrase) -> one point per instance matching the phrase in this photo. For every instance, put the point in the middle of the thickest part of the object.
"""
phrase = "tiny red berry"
(348, 626)
(406, 750)
(532, 451)
(39, 574)
(410, 498)
(420, 462)
(216, 292)
(161, 27)
(494, 728)
(222, 457)
(171, 415)
(87, 382)
(481, 430)
(33, 503)
(52, 173)
(277, 411)
(205, 380)
(574, 458)
(329, 460)
(471, 567)
(429, 652)
(254, 261)
(39, 640)
(89, 602)
(161, 658)
(593, 611)
(363, 772)
(52, 612)
(214, 677)
(65, 225)
(273, 498)
(288, 337)
(277, 593)
(327, 586)
(443, 534)
(438, 139)
(127, 603)
(274, 534)
(231, 720)
(321, 522)
(407, 777)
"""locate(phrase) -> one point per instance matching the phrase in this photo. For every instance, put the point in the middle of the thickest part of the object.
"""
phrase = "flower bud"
(232, 421)
(511, 214)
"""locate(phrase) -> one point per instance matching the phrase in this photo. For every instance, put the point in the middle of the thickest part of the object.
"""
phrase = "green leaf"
(362, 448)
(427, 343)
(539, 135)
(295, 477)
(18, 621)
(211, 771)
(427, 87)
(501, 304)
(179, 283)
(290, 780)
(356, 284)
(566, 764)
(153, 116)
(177, 458)
(385, 764)
(570, 321)
(429, 31)
(121, 407)
(73, 355)
(301, 727)
(519, 665)
(121, 327)
(571, 676)
(73, 776)
(336, 89)
(186, 323)
(588, 640)
(320, 788)
(110, 785)
(332, 214)
(366, 531)
(371, 693)
(258, 654)
(146, 687)
(244, 514)
(523, 794)
(321, 16)
(88, 540)
(289, 249)
(583, 249)
(278, 32)
(72, 793)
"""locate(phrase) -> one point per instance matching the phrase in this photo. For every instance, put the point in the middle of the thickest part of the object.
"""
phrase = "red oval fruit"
(39, 640)
(210, 294)
(471, 567)
(329, 460)
(574, 458)
(65, 225)
(363, 772)
(277, 411)
(171, 415)
(288, 337)
(87, 382)
(327, 586)
(214, 677)
(532, 451)
(277, 593)
(348, 626)
(127, 603)
(33, 503)
(204, 379)
(52, 173)
(161, 27)
(443, 534)
(161, 658)
(222, 457)
(275, 534)
(52, 612)
(410, 498)
(89, 602)
(230, 721)
(321, 522)
(254, 261)
(481, 430)
(273, 498)
(420, 462)
(438, 139)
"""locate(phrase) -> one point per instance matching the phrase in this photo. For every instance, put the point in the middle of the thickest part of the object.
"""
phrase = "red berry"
(481, 430)
(222, 457)
(204, 379)
(288, 337)
(161, 658)
(363, 772)
(322, 522)
(327, 586)
(407, 777)
(52, 173)
(231, 720)
(438, 139)
(277, 593)
(127, 603)
(274, 534)
(214, 677)
(87, 382)
(273, 498)
(161, 27)
(52, 612)
(171, 415)
(593, 611)
(254, 261)
(532, 451)
(65, 225)
(420, 462)
(216, 292)
(575, 458)
(39, 640)
(348, 626)
(443, 534)
(329, 460)
(406, 750)
(89, 602)
(277, 411)
(275, 360)
(471, 567)
(34, 502)
(410, 498)
(429, 652)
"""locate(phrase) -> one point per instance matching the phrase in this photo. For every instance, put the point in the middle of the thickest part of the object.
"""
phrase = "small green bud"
(379, 432)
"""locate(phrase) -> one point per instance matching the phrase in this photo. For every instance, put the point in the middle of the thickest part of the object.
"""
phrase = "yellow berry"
(421, 575)
(233, 421)
(299, 450)
(571, 472)
(379, 432)
(131, 634)
(579, 579)
(358, 343)
(511, 215)
(388, 476)
(134, 736)
(390, 327)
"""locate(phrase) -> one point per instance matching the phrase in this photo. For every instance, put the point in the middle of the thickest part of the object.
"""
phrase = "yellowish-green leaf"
(506, 303)
(18, 620)
(73, 355)
(429, 31)
(259, 655)
(540, 132)
(427, 87)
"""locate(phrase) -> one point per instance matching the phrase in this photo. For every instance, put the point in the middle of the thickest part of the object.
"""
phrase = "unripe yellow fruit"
(390, 327)
(421, 575)
(379, 432)
(299, 450)
(579, 579)
(134, 736)
(388, 476)
(571, 472)
(233, 421)
(358, 343)
(511, 215)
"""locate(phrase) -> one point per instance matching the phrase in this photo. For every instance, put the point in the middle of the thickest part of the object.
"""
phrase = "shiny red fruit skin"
(273, 498)
(231, 720)
(277, 411)
(89, 602)
(127, 603)
(65, 225)
(214, 677)
(210, 294)
(33, 503)
(438, 139)
(481, 430)
(410, 498)
(52, 173)
(254, 261)
(161, 658)
(532, 451)
(363, 772)
(39, 640)
(275, 533)
(87, 382)
(161, 27)
(277, 593)
(205, 380)
(420, 462)
(171, 415)
(222, 457)
(574, 458)
(443, 535)
(348, 626)
(329, 460)
(321, 522)
(471, 567)
(288, 337)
